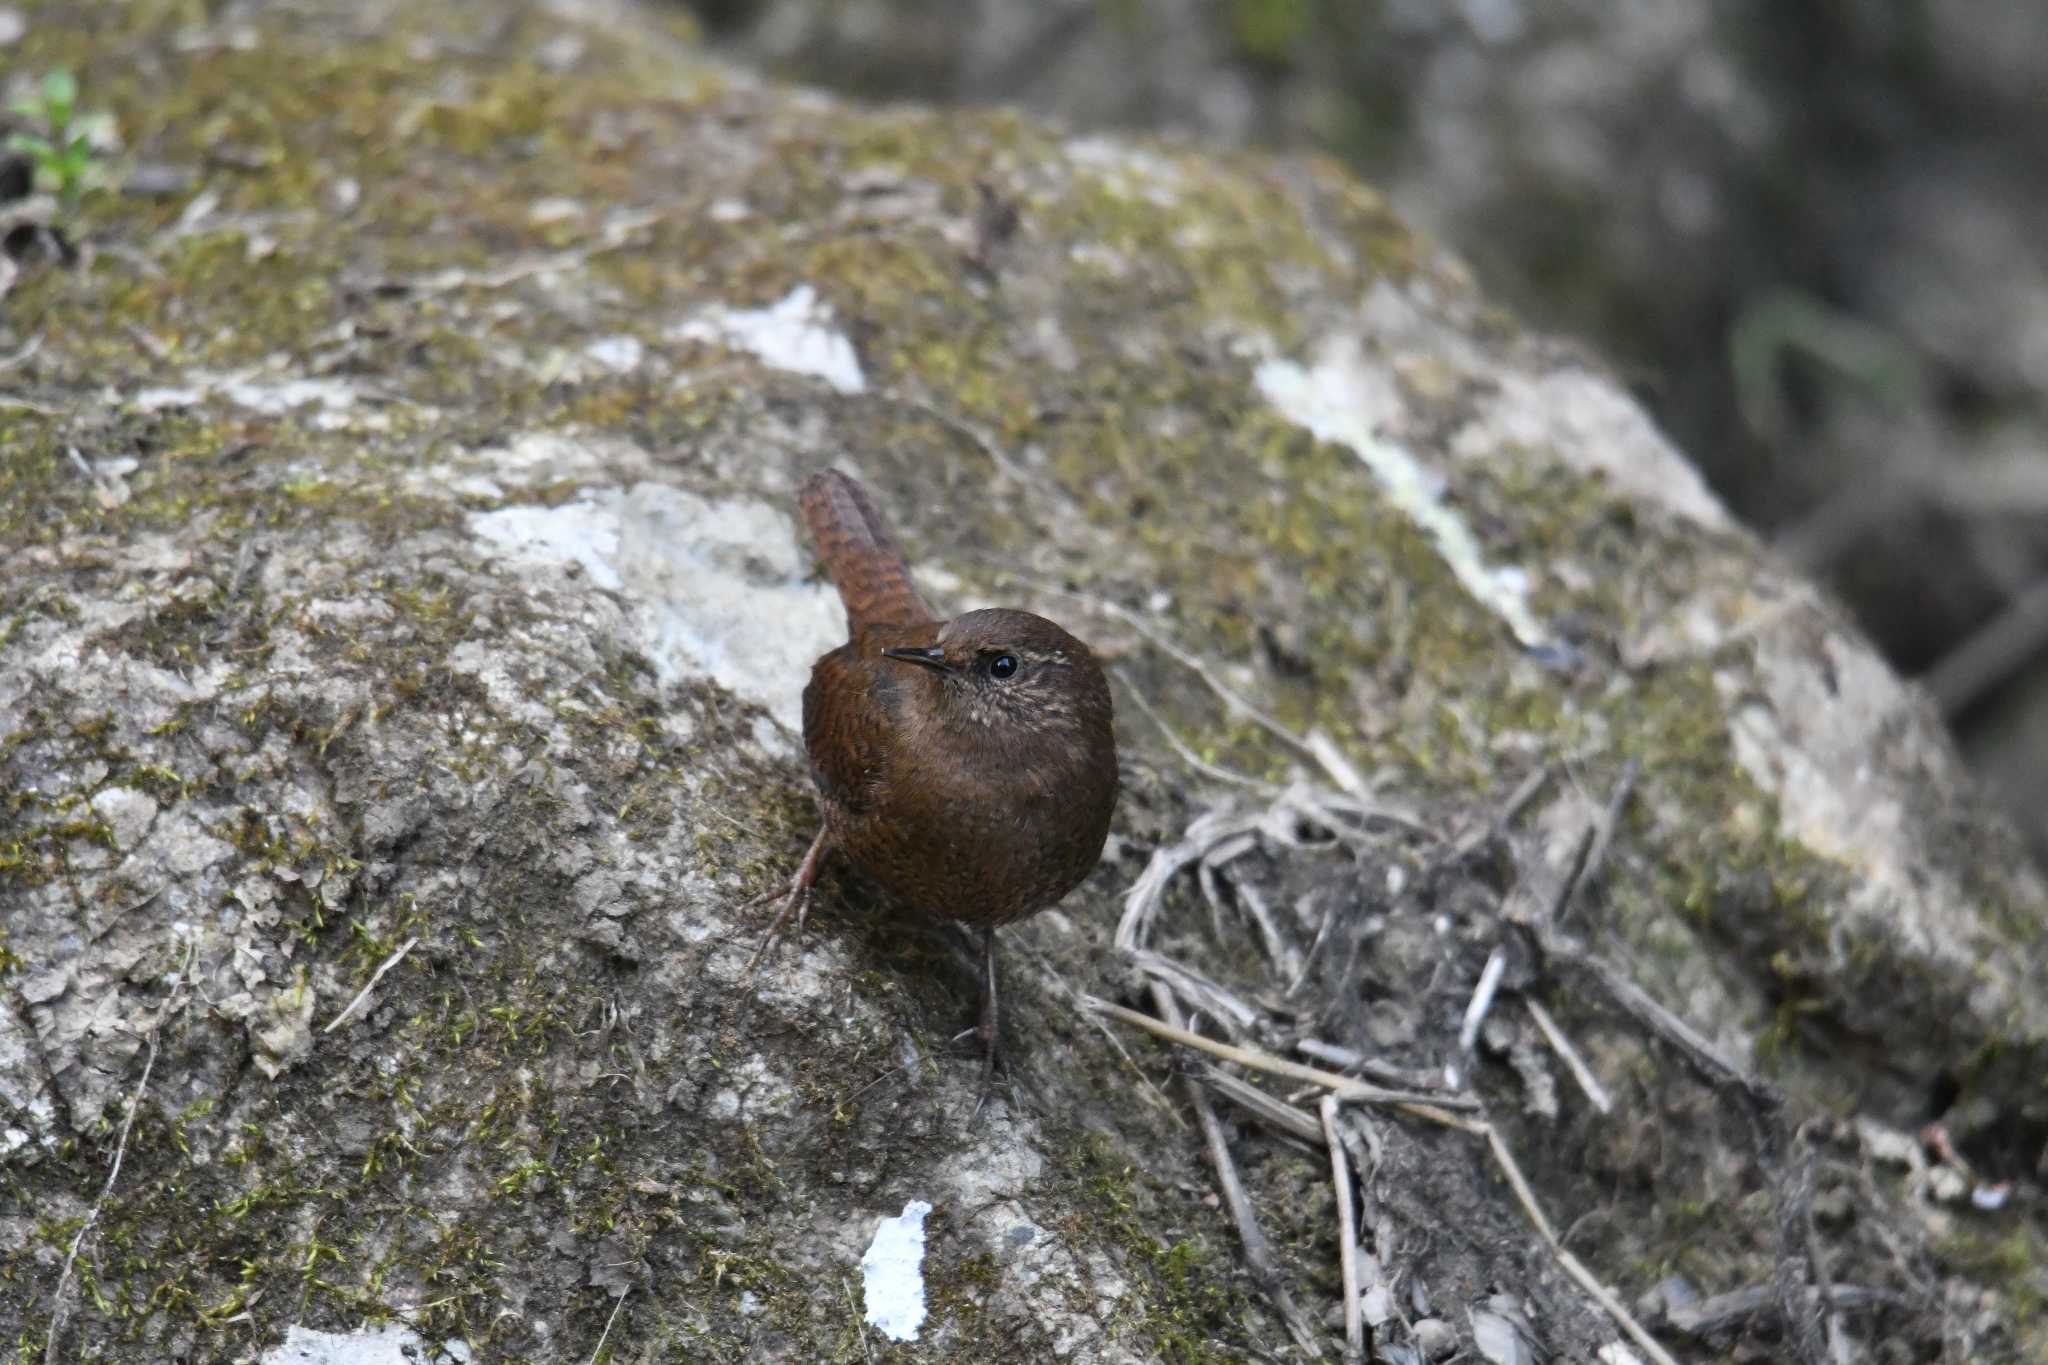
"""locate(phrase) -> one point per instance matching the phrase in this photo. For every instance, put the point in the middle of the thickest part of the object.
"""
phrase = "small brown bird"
(969, 765)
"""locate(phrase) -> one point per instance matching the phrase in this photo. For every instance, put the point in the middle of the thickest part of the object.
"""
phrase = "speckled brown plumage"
(855, 546)
(969, 766)
(984, 818)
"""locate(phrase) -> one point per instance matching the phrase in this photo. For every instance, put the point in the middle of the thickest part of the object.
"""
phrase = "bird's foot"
(796, 899)
(992, 1062)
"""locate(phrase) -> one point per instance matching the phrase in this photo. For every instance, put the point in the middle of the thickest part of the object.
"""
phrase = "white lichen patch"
(991, 1184)
(620, 354)
(892, 1274)
(336, 402)
(1345, 400)
(581, 533)
(1822, 726)
(797, 335)
(1129, 170)
(128, 814)
(1591, 426)
(20, 1089)
(546, 456)
(386, 1345)
(713, 590)
(1833, 794)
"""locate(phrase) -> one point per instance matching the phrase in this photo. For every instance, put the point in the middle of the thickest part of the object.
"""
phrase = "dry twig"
(1285, 956)
(1435, 1109)
(1343, 1087)
(1315, 948)
(1351, 1059)
(1482, 998)
(1708, 1060)
(1279, 823)
(597, 1352)
(1258, 1253)
(62, 1304)
(1153, 1094)
(1791, 1179)
(1579, 1272)
(1142, 901)
(1180, 746)
(974, 435)
(1238, 1017)
(1290, 1119)
(1524, 792)
(1219, 836)
(1574, 1063)
(386, 965)
(1610, 819)
(1726, 1312)
(1347, 1233)
(611, 235)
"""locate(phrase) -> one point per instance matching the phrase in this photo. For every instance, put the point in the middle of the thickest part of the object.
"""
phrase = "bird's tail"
(866, 567)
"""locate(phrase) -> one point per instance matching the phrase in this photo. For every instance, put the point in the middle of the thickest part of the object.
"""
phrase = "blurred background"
(1811, 234)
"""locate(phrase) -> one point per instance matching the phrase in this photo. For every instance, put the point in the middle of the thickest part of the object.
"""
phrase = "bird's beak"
(910, 654)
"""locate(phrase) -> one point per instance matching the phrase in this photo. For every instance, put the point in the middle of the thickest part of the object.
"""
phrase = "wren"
(967, 766)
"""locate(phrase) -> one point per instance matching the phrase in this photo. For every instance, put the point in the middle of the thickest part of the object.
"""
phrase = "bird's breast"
(983, 834)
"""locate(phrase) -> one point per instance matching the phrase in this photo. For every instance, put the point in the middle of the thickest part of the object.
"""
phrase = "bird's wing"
(850, 712)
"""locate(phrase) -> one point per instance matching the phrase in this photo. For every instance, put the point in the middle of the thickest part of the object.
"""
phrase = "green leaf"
(60, 96)
(30, 145)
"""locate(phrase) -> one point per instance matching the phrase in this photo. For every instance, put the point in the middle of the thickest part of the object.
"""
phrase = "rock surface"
(401, 623)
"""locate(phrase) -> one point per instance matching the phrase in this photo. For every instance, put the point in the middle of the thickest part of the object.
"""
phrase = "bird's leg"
(991, 1016)
(796, 899)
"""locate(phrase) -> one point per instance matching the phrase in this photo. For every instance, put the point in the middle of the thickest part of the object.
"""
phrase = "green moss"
(1189, 1306)
(2012, 1254)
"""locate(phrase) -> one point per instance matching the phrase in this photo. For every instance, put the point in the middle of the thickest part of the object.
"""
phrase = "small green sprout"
(62, 152)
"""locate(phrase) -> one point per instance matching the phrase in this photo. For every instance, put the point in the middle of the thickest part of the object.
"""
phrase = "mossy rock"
(401, 576)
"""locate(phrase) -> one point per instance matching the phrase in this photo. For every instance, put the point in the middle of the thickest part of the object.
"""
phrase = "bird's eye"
(1002, 666)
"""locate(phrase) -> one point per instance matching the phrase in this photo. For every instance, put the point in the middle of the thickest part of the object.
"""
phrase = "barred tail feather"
(858, 552)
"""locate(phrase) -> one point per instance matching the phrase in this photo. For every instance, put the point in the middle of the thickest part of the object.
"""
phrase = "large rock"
(401, 627)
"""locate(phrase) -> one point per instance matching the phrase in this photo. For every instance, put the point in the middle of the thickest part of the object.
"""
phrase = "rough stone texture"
(399, 559)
